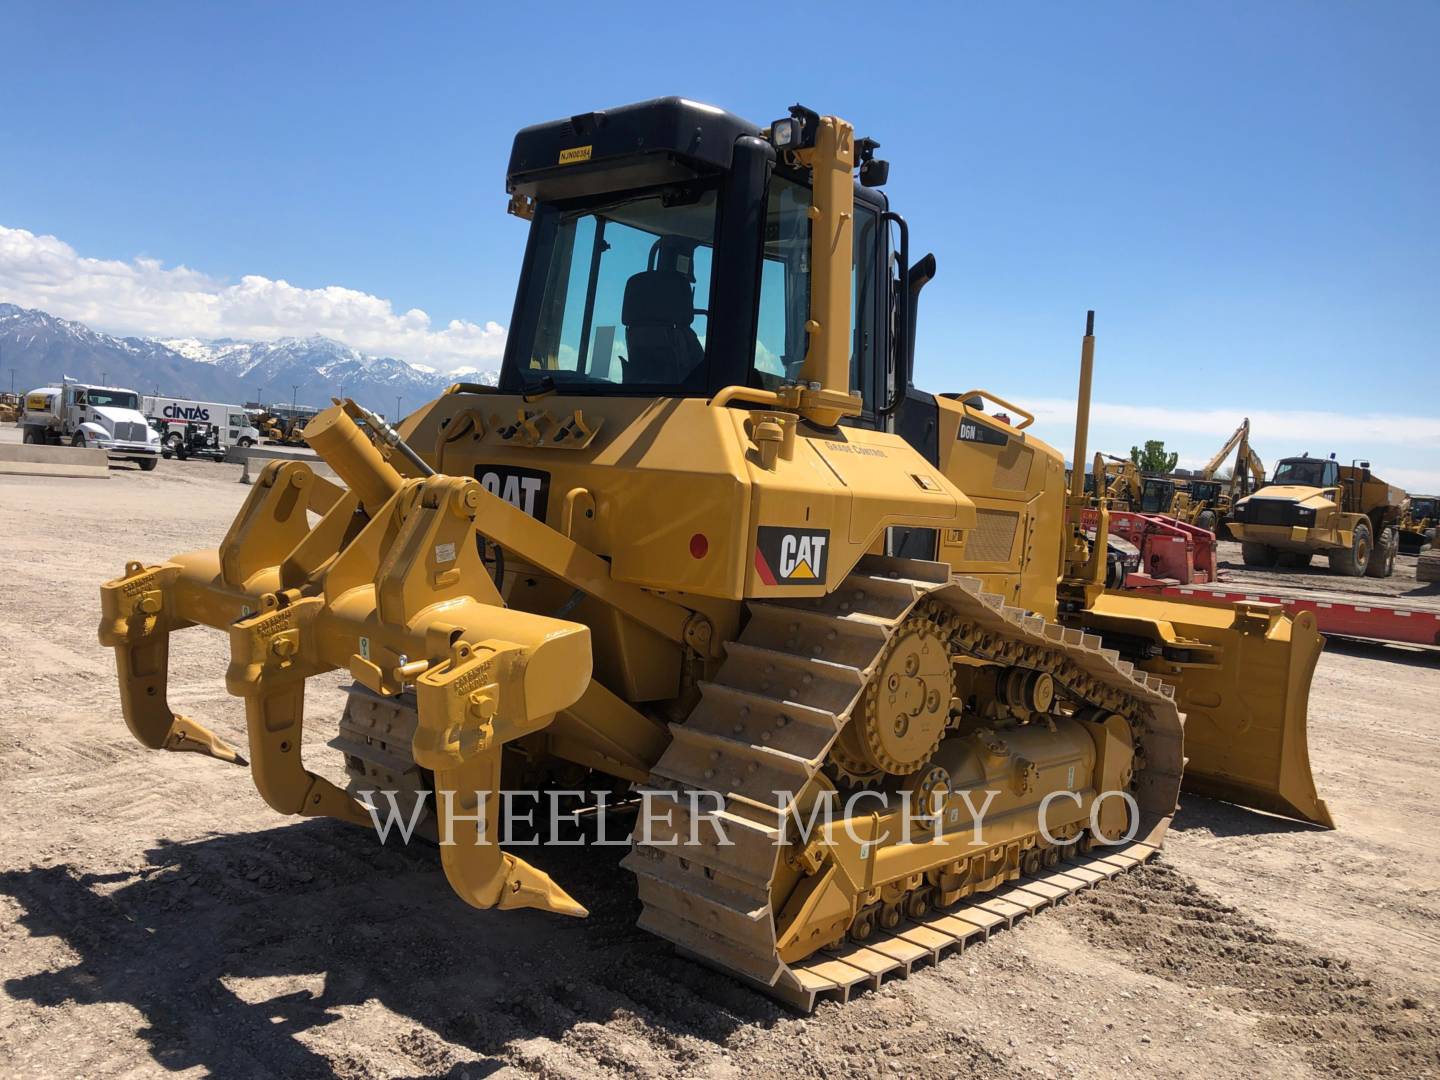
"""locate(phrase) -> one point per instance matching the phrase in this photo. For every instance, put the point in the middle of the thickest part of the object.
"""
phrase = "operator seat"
(661, 345)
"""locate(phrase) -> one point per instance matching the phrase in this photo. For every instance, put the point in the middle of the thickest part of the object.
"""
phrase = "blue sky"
(1246, 193)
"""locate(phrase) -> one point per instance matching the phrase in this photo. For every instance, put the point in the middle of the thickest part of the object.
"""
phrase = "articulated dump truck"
(706, 540)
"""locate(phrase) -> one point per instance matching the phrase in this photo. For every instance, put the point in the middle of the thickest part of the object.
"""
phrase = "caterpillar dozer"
(706, 541)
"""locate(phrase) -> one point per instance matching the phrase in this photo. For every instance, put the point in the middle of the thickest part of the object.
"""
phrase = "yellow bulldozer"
(9, 408)
(706, 543)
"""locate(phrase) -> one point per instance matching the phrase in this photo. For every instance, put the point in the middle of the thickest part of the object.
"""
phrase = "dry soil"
(157, 919)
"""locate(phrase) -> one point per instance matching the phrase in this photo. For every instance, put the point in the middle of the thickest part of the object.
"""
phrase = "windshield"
(114, 399)
(1157, 496)
(1306, 472)
(1204, 491)
(618, 292)
(1423, 507)
(626, 295)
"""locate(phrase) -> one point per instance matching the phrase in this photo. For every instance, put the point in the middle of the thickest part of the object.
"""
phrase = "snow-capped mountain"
(37, 349)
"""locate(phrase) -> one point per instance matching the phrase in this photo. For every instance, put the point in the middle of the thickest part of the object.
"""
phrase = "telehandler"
(707, 539)
(1317, 505)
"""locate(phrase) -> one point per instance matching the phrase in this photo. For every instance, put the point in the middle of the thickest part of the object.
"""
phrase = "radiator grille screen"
(994, 536)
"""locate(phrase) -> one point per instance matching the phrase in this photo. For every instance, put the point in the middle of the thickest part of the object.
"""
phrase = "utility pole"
(294, 391)
(397, 408)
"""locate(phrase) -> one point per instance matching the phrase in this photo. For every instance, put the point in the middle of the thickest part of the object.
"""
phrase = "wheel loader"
(706, 542)
(1316, 505)
(1418, 523)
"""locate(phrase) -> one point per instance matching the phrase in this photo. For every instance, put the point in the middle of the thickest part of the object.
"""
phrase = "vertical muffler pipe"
(1082, 412)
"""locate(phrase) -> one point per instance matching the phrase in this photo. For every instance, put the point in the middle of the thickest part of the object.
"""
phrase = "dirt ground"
(1401, 589)
(157, 919)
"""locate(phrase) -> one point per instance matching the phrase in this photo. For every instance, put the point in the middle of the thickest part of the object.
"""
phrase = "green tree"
(1153, 459)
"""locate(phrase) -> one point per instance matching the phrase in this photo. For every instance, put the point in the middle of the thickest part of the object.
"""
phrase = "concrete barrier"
(237, 455)
(39, 459)
(254, 458)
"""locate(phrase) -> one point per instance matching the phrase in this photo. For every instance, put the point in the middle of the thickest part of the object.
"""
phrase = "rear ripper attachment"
(388, 585)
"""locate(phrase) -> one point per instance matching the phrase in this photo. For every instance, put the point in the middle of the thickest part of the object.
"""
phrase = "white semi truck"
(231, 423)
(104, 417)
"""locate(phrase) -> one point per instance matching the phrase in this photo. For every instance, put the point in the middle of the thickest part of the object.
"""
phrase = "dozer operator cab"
(670, 255)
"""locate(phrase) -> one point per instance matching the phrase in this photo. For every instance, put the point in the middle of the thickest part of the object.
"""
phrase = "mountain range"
(36, 349)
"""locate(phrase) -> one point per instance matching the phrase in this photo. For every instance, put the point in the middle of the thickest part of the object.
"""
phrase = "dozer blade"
(1242, 677)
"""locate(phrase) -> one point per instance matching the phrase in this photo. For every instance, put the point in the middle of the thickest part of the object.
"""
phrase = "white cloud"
(1404, 450)
(144, 297)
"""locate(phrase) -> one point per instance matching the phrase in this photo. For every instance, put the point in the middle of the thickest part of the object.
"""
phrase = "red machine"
(1171, 552)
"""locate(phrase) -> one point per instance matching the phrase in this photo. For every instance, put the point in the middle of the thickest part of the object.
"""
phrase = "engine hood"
(1291, 493)
(113, 415)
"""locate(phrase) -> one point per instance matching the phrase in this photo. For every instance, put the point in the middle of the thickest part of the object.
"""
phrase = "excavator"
(706, 543)
(1246, 476)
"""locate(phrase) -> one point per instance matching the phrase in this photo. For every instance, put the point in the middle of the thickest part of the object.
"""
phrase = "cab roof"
(653, 142)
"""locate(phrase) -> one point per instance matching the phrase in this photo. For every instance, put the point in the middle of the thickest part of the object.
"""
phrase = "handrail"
(1027, 414)
(746, 393)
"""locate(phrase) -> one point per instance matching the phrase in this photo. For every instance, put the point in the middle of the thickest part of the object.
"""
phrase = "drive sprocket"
(905, 707)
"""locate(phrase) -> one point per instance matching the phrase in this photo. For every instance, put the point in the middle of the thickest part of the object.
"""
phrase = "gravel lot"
(157, 919)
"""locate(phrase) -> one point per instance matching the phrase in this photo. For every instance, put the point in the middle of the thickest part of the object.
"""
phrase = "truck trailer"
(232, 424)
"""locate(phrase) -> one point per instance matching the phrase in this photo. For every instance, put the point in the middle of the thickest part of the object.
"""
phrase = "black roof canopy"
(651, 142)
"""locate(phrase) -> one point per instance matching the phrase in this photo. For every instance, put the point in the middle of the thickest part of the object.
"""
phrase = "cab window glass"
(627, 293)
(780, 337)
(862, 305)
(781, 340)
